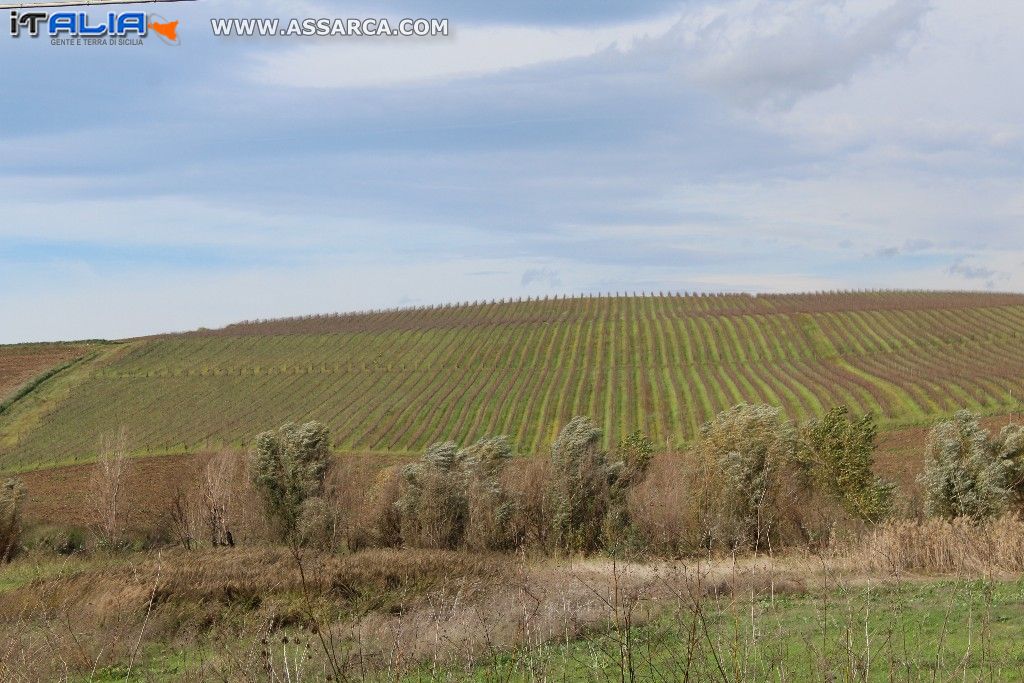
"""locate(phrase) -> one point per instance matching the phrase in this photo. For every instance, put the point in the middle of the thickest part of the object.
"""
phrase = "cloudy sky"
(542, 148)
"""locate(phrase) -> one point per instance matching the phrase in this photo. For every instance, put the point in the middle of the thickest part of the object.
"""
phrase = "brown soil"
(19, 364)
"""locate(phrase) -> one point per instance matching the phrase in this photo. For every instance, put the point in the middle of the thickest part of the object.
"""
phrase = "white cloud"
(761, 51)
(954, 88)
(469, 52)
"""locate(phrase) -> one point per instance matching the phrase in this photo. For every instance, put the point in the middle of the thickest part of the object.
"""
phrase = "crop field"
(21, 363)
(398, 380)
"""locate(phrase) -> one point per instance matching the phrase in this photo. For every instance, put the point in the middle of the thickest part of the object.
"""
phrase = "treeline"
(752, 481)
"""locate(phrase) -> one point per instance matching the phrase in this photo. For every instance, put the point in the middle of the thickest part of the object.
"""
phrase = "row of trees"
(750, 469)
(752, 480)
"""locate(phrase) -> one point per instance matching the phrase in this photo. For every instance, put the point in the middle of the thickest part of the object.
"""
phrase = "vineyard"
(397, 380)
(21, 363)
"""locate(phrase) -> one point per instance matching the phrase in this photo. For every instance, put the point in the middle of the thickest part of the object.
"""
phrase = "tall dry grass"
(940, 546)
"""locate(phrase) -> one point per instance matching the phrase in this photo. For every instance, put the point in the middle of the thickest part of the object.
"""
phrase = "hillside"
(21, 363)
(398, 380)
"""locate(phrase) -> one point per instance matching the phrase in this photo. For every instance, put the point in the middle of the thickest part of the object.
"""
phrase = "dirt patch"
(19, 364)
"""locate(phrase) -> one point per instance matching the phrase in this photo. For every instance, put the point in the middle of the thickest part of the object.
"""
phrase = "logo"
(78, 28)
(167, 30)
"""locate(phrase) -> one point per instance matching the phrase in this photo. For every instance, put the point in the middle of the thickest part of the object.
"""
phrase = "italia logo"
(81, 25)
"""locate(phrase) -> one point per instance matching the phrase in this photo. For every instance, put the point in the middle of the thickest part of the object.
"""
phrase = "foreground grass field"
(405, 615)
(399, 380)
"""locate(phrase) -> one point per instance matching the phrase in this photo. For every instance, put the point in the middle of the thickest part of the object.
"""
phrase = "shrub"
(744, 452)
(316, 523)
(578, 487)
(433, 501)
(12, 497)
(454, 497)
(488, 505)
(288, 467)
(625, 472)
(588, 490)
(837, 453)
(663, 508)
(527, 486)
(1009, 447)
(378, 521)
(967, 474)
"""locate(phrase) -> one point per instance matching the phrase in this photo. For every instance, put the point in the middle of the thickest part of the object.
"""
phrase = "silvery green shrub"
(627, 468)
(588, 488)
(966, 473)
(744, 451)
(579, 486)
(454, 497)
(288, 467)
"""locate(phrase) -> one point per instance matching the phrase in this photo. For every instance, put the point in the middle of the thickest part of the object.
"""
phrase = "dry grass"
(381, 610)
(91, 613)
(938, 546)
(389, 612)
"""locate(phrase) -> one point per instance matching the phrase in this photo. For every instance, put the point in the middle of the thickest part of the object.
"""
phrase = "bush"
(744, 452)
(12, 497)
(316, 525)
(433, 501)
(454, 497)
(625, 472)
(967, 474)
(578, 488)
(288, 467)
(56, 539)
(489, 507)
(1009, 447)
(588, 490)
(663, 508)
(527, 486)
(837, 454)
(378, 522)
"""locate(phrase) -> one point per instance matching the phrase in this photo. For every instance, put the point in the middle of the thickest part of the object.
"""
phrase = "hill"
(400, 379)
(22, 363)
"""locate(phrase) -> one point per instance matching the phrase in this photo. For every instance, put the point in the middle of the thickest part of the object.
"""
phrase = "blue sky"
(543, 148)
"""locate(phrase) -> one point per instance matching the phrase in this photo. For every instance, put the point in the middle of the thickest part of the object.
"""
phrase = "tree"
(743, 451)
(626, 470)
(967, 474)
(454, 497)
(578, 488)
(288, 466)
(837, 453)
(108, 511)
(12, 496)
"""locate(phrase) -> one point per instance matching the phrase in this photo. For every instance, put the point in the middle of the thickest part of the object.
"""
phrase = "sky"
(541, 149)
